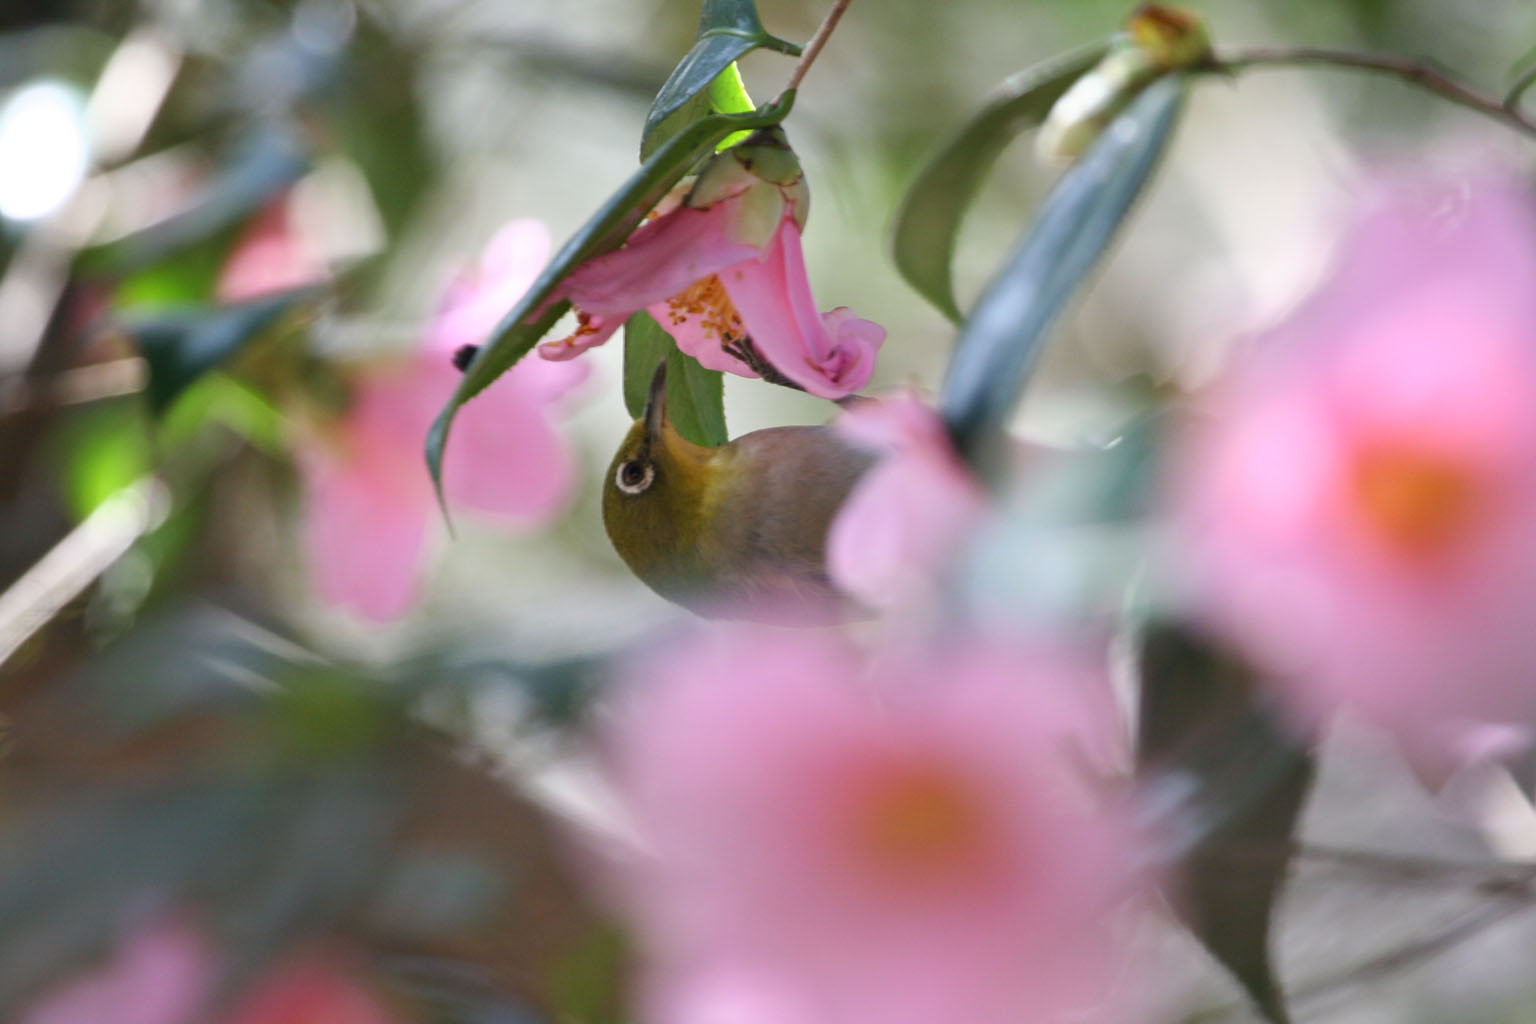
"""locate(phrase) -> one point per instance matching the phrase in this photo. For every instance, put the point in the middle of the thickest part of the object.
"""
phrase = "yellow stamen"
(706, 301)
(920, 819)
(1419, 502)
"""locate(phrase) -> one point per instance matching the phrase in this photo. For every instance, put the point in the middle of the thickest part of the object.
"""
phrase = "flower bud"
(765, 172)
(1156, 40)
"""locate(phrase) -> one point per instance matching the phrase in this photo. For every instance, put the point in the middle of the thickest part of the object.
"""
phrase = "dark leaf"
(609, 226)
(381, 124)
(182, 346)
(263, 165)
(1200, 722)
(928, 219)
(1001, 342)
(728, 31)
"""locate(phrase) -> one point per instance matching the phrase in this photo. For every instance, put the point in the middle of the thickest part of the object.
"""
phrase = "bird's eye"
(633, 477)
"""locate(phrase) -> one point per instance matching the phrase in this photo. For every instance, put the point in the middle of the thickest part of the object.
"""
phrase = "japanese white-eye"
(737, 531)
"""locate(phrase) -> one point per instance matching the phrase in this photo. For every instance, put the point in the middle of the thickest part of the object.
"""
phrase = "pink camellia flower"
(723, 272)
(1357, 512)
(371, 509)
(825, 841)
(160, 974)
(909, 513)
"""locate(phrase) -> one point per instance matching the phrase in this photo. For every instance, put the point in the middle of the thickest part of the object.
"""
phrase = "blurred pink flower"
(828, 842)
(160, 974)
(309, 991)
(271, 256)
(720, 271)
(1357, 513)
(909, 513)
(371, 509)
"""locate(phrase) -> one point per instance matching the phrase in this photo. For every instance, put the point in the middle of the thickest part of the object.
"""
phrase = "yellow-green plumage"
(734, 531)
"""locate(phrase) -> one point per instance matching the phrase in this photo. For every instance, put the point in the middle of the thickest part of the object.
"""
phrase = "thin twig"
(1422, 73)
(1510, 879)
(76, 561)
(1410, 954)
(76, 386)
(1519, 89)
(813, 48)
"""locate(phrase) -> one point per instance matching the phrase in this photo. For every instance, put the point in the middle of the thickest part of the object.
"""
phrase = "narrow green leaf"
(1201, 720)
(928, 220)
(728, 31)
(695, 107)
(104, 451)
(728, 95)
(516, 334)
(1001, 342)
(182, 345)
(645, 347)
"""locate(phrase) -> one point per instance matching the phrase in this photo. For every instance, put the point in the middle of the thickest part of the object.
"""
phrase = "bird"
(737, 531)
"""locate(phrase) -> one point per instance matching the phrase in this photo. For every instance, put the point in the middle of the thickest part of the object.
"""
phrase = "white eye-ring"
(634, 477)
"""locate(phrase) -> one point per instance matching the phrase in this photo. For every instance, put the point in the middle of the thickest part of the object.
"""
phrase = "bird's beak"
(656, 403)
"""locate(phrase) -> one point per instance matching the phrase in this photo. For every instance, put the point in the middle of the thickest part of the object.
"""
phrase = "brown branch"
(1409, 954)
(1421, 73)
(813, 48)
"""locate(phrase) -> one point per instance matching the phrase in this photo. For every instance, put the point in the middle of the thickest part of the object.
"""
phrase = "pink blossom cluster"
(371, 511)
(829, 839)
(1355, 504)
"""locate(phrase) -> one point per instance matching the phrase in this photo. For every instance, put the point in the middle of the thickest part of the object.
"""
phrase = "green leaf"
(928, 220)
(695, 396)
(1001, 342)
(728, 31)
(104, 451)
(609, 226)
(646, 345)
(235, 404)
(696, 400)
(1201, 720)
(182, 345)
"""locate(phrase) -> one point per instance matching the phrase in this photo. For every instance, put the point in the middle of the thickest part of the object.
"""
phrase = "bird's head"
(657, 498)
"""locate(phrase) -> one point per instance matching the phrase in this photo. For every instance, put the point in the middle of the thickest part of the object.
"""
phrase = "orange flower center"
(1420, 502)
(920, 820)
(707, 302)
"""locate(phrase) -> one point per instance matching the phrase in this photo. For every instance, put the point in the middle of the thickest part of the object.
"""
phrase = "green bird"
(738, 531)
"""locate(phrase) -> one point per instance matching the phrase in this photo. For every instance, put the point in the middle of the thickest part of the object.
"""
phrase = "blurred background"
(216, 214)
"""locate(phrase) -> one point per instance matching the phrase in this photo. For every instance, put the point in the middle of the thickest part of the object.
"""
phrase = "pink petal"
(693, 338)
(661, 259)
(899, 527)
(909, 514)
(479, 297)
(773, 296)
(593, 332)
(270, 257)
(365, 529)
(160, 975)
(505, 457)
